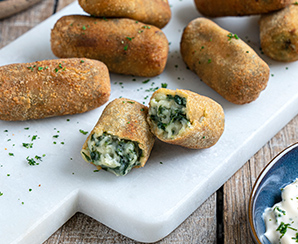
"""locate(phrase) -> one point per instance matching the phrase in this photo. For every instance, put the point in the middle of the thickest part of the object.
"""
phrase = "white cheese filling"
(112, 153)
(171, 116)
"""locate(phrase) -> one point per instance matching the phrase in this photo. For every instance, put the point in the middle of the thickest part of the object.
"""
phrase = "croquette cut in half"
(153, 12)
(185, 118)
(50, 88)
(121, 139)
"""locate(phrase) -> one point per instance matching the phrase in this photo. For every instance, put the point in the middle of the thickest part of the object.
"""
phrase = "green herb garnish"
(146, 81)
(230, 35)
(33, 137)
(28, 145)
(84, 132)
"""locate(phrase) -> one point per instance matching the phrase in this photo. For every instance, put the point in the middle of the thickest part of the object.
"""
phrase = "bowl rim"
(256, 186)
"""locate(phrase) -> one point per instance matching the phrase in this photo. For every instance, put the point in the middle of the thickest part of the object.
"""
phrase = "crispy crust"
(52, 88)
(279, 34)
(205, 115)
(226, 64)
(126, 119)
(126, 46)
(218, 8)
(154, 12)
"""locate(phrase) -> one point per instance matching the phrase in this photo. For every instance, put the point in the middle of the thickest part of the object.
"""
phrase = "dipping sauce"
(282, 219)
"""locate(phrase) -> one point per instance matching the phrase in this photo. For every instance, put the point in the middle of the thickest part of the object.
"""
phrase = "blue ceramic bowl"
(281, 171)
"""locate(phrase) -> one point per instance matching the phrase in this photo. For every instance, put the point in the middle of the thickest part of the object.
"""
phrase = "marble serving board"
(148, 203)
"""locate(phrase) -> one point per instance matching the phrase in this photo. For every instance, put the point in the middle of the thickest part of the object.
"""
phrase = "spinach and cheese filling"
(113, 154)
(169, 114)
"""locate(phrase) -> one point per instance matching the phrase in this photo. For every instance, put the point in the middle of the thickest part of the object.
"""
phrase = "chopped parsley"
(10, 154)
(146, 81)
(27, 145)
(282, 228)
(152, 89)
(296, 237)
(280, 210)
(129, 38)
(31, 161)
(33, 137)
(230, 36)
(38, 158)
(83, 132)
(1, 193)
(164, 85)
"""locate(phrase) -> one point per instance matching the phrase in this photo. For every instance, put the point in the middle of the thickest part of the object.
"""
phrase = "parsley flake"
(33, 137)
(230, 35)
(27, 145)
(83, 132)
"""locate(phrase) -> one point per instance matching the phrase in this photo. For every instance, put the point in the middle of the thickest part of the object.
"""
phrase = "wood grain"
(11, 7)
(200, 227)
(237, 189)
(13, 27)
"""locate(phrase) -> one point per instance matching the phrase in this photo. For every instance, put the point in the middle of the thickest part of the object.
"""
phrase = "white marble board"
(148, 203)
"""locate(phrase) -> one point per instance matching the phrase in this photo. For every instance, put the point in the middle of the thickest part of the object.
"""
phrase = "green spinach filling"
(113, 154)
(169, 114)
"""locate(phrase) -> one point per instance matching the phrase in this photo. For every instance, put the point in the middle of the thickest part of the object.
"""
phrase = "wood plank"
(237, 189)
(11, 7)
(200, 227)
(14, 26)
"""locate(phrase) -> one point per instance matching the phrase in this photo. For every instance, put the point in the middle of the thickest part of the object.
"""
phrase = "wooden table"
(223, 216)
